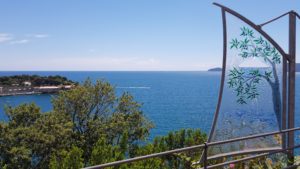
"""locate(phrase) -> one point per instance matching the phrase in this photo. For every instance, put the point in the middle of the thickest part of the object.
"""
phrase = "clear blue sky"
(124, 34)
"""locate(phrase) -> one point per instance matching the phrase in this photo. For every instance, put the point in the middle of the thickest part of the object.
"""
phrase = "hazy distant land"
(218, 69)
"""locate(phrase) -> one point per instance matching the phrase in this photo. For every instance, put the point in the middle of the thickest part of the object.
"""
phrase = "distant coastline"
(33, 84)
(217, 69)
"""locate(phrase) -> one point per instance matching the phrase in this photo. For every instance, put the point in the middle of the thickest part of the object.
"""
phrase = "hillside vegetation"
(35, 80)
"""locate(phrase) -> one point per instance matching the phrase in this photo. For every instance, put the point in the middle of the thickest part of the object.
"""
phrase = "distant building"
(47, 89)
(15, 90)
(21, 90)
(27, 83)
(67, 87)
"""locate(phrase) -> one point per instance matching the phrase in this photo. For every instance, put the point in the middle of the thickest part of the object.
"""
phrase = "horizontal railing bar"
(146, 157)
(252, 136)
(180, 150)
(251, 157)
(292, 166)
(236, 161)
(245, 152)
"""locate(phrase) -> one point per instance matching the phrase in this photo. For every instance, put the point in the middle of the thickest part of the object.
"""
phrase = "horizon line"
(103, 70)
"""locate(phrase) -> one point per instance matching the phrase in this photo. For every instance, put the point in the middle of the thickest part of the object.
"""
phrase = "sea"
(172, 100)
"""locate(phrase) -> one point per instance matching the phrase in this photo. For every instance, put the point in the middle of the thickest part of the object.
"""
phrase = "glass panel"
(251, 102)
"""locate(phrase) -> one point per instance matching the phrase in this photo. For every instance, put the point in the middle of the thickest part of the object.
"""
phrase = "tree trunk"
(276, 96)
(277, 102)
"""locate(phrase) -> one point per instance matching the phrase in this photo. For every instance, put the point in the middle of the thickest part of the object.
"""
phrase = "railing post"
(291, 84)
(205, 156)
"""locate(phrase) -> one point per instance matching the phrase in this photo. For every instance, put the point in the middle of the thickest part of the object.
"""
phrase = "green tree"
(67, 160)
(173, 140)
(23, 115)
(73, 159)
(102, 152)
(30, 136)
(245, 82)
(88, 125)
(94, 110)
(87, 106)
(16, 153)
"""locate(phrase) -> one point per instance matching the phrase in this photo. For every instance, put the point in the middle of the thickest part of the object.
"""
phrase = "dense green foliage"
(35, 80)
(88, 125)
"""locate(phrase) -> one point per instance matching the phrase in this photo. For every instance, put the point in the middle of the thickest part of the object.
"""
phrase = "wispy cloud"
(4, 37)
(39, 35)
(22, 41)
(8, 38)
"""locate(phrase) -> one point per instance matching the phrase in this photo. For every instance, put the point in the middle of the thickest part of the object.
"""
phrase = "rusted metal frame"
(205, 156)
(257, 28)
(284, 56)
(216, 114)
(272, 20)
(251, 157)
(284, 102)
(180, 150)
(291, 83)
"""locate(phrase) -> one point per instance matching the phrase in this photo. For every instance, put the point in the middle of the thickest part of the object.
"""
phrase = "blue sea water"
(171, 100)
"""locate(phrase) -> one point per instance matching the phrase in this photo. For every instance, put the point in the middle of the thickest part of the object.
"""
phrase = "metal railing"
(205, 147)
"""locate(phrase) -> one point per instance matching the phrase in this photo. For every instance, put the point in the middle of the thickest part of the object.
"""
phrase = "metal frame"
(291, 83)
(216, 114)
(287, 59)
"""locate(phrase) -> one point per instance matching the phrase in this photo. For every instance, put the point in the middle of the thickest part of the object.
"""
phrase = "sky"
(125, 35)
